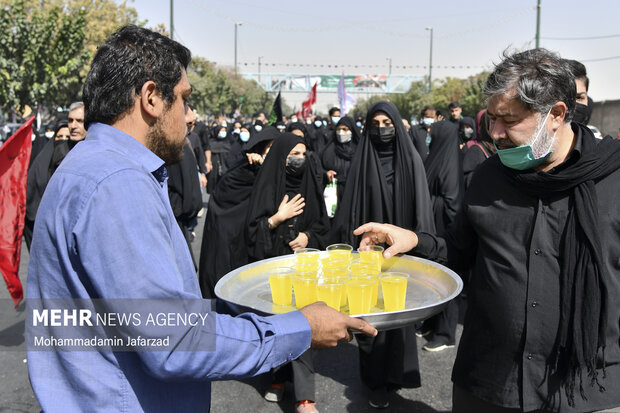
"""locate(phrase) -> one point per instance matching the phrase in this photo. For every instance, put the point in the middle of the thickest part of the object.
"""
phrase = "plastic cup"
(372, 255)
(307, 269)
(375, 288)
(360, 268)
(339, 252)
(281, 285)
(359, 292)
(308, 256)
(340, 279)
(394, 286)
(329, 290)
(304, 286)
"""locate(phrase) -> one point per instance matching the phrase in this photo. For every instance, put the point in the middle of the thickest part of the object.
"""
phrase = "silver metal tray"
(431, 286)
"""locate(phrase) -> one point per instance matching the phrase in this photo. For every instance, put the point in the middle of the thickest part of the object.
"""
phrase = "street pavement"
(338, 387)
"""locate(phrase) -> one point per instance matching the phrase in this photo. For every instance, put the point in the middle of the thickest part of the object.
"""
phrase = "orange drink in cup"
(281, 285)
(339, 252)
(329, 290)
(394, 286)
(304, 286)
(372, 255)
(359, 293)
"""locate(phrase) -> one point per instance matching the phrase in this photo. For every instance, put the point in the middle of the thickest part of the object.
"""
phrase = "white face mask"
(222, 134)
(258, 128)
(468, 132)
(293, 120)
(343, 137)
(428, 121)
(49, 135)
(244, 136)
(237, 131)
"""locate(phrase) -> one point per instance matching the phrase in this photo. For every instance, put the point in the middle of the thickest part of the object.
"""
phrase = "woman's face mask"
(296, 166)
(244, 136)
(343, 136)
(468, 132)
(382, 135)
(222, 134)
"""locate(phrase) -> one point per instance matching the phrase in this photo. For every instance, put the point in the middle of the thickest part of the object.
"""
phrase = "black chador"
(272, 183)
(386, 183)
(223, 243)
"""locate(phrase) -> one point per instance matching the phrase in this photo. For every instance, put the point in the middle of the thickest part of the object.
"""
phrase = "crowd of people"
(437, 189)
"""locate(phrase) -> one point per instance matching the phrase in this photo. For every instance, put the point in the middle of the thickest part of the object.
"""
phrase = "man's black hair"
(333, 110)
(579, 71)
(128, 59)
(453, 105)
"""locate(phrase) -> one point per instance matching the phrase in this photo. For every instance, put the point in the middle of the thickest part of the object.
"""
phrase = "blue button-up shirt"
(105, 229)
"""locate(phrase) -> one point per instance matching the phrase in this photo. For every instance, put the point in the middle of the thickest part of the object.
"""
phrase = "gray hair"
(76, 105)
(538, 78)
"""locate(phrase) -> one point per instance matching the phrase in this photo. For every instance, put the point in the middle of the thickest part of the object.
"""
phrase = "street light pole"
(171, 19)
(259, 57)
(237, 24)
(389, 59)
(430, 62)
(538, 25)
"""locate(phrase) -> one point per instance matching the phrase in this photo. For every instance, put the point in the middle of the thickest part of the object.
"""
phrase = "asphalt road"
(338, 388)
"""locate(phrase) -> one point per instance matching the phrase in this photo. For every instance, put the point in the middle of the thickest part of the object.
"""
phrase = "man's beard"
(161, 145)
(545, 142)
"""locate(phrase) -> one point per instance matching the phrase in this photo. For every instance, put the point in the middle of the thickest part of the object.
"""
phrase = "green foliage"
(468, 92)
(220, 92)
(46, 47)
(41, 54)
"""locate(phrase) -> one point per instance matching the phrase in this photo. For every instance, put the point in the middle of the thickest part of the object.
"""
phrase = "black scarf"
(583, 283)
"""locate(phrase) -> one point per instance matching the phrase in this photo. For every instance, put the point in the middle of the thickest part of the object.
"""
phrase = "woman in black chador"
(444, 172)
(386, 183)
(223, 243)
(339, 152)
(287, 212)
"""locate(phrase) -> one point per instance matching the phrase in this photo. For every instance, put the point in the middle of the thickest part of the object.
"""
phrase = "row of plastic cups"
(339, 254)
(361, 291)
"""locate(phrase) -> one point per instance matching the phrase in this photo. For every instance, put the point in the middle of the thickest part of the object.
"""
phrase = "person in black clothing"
(339, 152)
(320, 174)
(220, 142)
(223, 245)
(480, 150)
(421, 133)
(467, 132)
(40, 172)
(444, 173)
(386, 183)
(541, 227)
(287, 213)
(456, 112)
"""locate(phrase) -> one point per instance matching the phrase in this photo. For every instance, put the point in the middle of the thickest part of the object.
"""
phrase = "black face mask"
(296, 166)
(582, 113)
(382, 135)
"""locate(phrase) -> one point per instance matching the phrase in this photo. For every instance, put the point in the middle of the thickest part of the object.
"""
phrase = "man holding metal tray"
(105, 231)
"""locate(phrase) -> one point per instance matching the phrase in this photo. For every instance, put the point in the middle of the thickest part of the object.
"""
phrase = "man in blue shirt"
(105, 230)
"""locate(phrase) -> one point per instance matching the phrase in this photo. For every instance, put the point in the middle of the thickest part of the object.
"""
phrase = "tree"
(468, 92)
(220, 92)
(41, 54)
(46, 47)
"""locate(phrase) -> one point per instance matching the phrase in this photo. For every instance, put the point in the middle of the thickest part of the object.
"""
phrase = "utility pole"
(259, 57)
(236, 25)
(538, 25)
(389, 59)
(172, 19)
(430, 62)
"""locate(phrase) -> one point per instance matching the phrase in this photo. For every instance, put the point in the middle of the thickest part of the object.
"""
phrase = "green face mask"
(522, 157)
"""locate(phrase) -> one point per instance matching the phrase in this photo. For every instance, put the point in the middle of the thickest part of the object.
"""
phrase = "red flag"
(306, 106)
(14, 159)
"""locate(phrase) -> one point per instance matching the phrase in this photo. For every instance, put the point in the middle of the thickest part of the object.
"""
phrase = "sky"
(468, 36)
